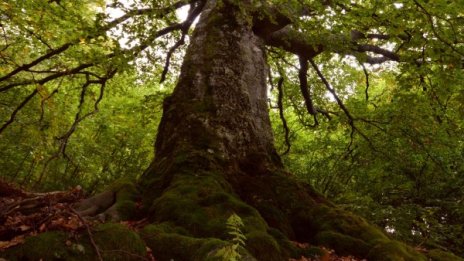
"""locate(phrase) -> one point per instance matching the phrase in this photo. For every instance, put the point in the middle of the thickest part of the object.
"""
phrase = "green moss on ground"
(439, 255)
(115, 242)
(264, 246)
(394, 251)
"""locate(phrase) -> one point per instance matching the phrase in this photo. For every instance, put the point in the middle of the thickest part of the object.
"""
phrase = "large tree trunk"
(215, 157)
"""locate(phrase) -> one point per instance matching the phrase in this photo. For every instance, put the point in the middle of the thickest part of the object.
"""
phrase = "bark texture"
(221, 92)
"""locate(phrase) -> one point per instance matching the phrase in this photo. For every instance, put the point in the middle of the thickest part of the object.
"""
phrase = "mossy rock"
(394, 251)
(439, 255)
(115, 242)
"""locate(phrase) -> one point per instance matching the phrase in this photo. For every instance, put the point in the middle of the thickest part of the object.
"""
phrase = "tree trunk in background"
(215, 156)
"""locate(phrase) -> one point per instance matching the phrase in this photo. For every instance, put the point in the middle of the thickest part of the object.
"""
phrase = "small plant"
(230, 252)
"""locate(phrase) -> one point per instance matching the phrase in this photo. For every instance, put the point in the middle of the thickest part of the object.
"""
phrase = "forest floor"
(24, 214)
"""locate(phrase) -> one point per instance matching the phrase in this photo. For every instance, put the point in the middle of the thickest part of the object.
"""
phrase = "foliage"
(231, 251)
(406, 174)
(79, 123)
(111, 144)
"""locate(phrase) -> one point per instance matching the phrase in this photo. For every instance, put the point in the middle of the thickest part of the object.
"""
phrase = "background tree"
(214, 151)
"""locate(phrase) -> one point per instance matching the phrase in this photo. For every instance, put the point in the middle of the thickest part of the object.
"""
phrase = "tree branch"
(293, 41)
(366, 74)
(193, 13)
(44, 57)
(434, 30)
(20, 106)
(302, 76)
(388, 55)
(332, 91)
(281, 114)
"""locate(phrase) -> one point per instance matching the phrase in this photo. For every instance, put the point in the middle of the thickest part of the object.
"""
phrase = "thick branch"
(293, 41)
(298, 43)
(302, 75)
(386, 54)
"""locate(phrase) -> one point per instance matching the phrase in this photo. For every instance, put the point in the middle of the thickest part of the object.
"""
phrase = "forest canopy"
(366, 99)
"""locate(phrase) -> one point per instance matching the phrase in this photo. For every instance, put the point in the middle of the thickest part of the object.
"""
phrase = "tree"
(214, 151)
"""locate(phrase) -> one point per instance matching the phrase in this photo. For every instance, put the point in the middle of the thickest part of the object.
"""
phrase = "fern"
(230, 252)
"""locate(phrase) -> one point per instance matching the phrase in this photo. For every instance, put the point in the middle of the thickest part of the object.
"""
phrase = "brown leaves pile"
(24, 214)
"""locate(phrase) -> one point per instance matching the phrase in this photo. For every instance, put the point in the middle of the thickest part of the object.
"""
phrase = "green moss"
(166, 227)
(125, 187)
(394, 251)
(329, 218)
(263, 246)
(126, 195)
(167, 245)
(115, 242)
(127, 209)
(344, 245)
(286, 246)
(439, 255)
(275, 218)
(46, 246)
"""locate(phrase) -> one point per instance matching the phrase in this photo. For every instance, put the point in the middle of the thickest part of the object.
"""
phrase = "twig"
(185, 26)
(92, 242)
(20, 106)
(366, 74)
(434, 30)
(169, 55)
